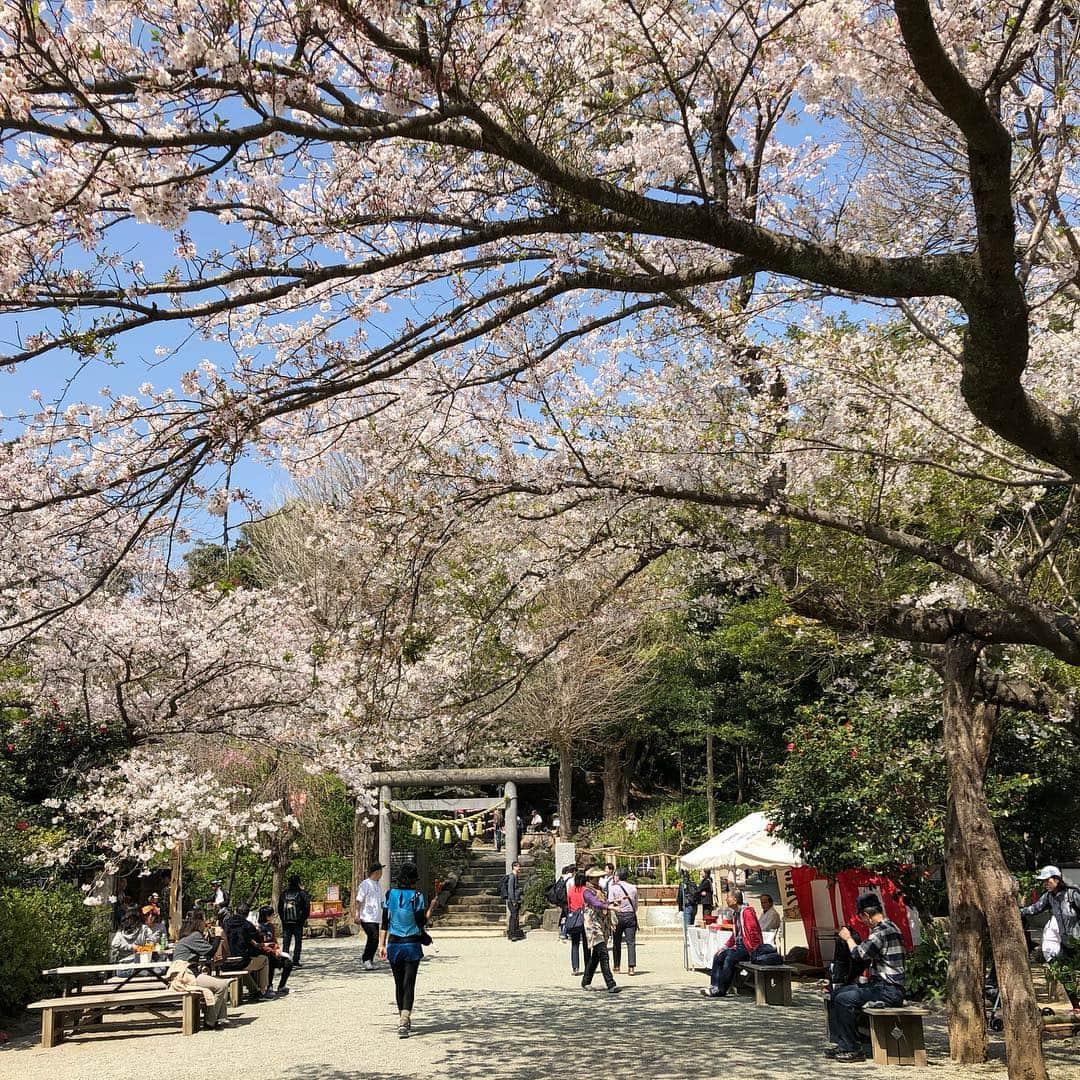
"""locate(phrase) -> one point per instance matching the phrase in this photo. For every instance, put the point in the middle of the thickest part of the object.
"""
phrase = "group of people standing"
(597, 907)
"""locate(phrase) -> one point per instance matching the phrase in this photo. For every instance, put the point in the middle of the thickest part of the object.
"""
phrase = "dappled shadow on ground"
(668, 1033)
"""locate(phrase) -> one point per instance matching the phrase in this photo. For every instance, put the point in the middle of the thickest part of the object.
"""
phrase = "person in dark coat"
(294, 909)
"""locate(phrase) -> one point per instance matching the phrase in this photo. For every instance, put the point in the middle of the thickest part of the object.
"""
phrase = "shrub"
(542, 876)
(927, 968)
(41, 928)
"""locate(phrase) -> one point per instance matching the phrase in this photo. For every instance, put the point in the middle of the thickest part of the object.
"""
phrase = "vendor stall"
(822, 904)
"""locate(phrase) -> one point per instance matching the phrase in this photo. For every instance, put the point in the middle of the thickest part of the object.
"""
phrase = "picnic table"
(75, 976)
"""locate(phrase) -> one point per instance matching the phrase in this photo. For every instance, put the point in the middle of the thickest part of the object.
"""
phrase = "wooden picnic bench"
(896, 1034)
(236, 980)
(73, 976)
(772, 983)
(54, 1010)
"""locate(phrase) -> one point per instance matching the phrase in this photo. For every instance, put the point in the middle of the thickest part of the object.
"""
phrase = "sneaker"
(221, 1025)
(614, 989)
(849, 1057)
(282, 991)
(404, 1029)
(269, 995)
(709, 993)
(368, 965)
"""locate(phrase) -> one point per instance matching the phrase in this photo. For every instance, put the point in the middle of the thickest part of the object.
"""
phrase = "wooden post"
(513, 841)
(384, 835)
(176, 890)
(663, 867)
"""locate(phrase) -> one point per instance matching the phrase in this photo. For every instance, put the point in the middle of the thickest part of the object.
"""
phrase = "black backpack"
(555, 893)
(504, 888)
(290, 907)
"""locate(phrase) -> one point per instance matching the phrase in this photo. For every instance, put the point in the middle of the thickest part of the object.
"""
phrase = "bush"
(317, 873)
(542, 876)
(41, 928)
(927, 968)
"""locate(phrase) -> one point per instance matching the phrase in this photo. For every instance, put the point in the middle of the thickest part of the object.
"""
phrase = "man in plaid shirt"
(883, 952)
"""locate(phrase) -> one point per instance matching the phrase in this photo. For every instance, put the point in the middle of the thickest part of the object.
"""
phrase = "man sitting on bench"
(883, 951)
(745, 938)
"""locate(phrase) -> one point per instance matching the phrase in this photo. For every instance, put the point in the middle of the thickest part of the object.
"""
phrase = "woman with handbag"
(599, 923)
(625, 898)
(575, 921)
(403, 920)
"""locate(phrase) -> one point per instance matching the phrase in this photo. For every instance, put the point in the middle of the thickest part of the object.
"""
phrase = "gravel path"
(487, 1008)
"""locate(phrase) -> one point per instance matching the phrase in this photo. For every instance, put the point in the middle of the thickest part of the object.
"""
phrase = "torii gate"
(436, 777)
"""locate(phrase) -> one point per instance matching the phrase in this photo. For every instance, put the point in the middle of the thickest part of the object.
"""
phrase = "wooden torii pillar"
(387, 781)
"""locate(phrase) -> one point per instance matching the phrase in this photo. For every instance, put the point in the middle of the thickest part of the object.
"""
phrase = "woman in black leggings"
(403, 920)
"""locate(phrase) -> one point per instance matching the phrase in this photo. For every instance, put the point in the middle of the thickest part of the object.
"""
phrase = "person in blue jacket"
(403, 920)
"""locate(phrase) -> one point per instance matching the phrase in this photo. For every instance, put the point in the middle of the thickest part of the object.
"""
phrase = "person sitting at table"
(276, 960)
(151, 913)
(194, 949)
(745, 938)
(132, 933)
(246, 950)
(769, 919)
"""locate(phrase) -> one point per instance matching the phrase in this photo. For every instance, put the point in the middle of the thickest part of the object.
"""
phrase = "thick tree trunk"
(617, 768)
(363, 852)
(566, 791)
(740, 775)
(968, 730)
(964, 989)
(710, 782)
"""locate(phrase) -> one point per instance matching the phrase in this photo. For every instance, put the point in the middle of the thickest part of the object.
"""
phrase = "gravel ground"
(488, 1008)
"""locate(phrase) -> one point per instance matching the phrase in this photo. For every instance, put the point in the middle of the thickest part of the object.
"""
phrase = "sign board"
(333, 893)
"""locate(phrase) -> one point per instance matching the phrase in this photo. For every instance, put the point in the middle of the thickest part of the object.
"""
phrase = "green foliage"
(41, 928)
(251, 875)
(316, 873)
(227, 569)
(926, 970)
(543, 874)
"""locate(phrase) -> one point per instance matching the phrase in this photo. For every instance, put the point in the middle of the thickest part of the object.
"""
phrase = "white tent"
(747, 844)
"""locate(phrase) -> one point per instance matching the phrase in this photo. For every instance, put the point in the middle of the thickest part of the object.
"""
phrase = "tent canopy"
(747, 845)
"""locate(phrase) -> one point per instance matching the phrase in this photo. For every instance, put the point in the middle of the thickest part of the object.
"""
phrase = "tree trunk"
(566, 787)
(740, 775)
(617, 769)
(710, 782)
(363, 852)
(968, 731)
(176, 889)
(964, 988)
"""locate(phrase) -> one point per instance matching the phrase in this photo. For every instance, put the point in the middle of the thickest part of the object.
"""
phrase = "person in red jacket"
(745, 938)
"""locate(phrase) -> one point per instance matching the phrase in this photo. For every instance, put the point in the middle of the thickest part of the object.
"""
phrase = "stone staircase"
(475, 907)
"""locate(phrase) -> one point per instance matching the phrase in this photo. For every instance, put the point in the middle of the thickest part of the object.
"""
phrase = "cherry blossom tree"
(414, 232)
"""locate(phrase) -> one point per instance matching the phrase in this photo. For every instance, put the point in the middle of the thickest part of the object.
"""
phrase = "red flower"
(11, 748)
(103, 727)
(769, 826)
(790, 746)
(22, 825)
(61, 726)
(854, 753)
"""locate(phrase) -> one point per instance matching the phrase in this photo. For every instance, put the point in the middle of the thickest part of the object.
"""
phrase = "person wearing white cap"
(1063, 900)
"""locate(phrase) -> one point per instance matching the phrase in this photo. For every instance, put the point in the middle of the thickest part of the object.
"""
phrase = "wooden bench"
(236, 981)
(53, 1010)
(896, 1034)
(772, 983)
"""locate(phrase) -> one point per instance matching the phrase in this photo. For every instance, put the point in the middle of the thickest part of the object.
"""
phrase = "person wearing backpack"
(1063, 900)
(404, 917)
(294, 907)
(512, 893)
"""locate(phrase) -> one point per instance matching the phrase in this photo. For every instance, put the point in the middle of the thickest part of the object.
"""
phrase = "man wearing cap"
(883, 951)
(369, 912)
(1063, 900)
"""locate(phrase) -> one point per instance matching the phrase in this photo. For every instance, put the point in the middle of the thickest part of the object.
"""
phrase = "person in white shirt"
(369, 912)
(769, 919)
(605, 879)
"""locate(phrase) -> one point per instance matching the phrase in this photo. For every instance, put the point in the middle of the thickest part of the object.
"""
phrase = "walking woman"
(403, 919)
(575, 921)
(598, 924)
(625, 898)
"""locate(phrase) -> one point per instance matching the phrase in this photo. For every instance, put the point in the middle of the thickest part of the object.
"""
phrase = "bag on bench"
(766, 955)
